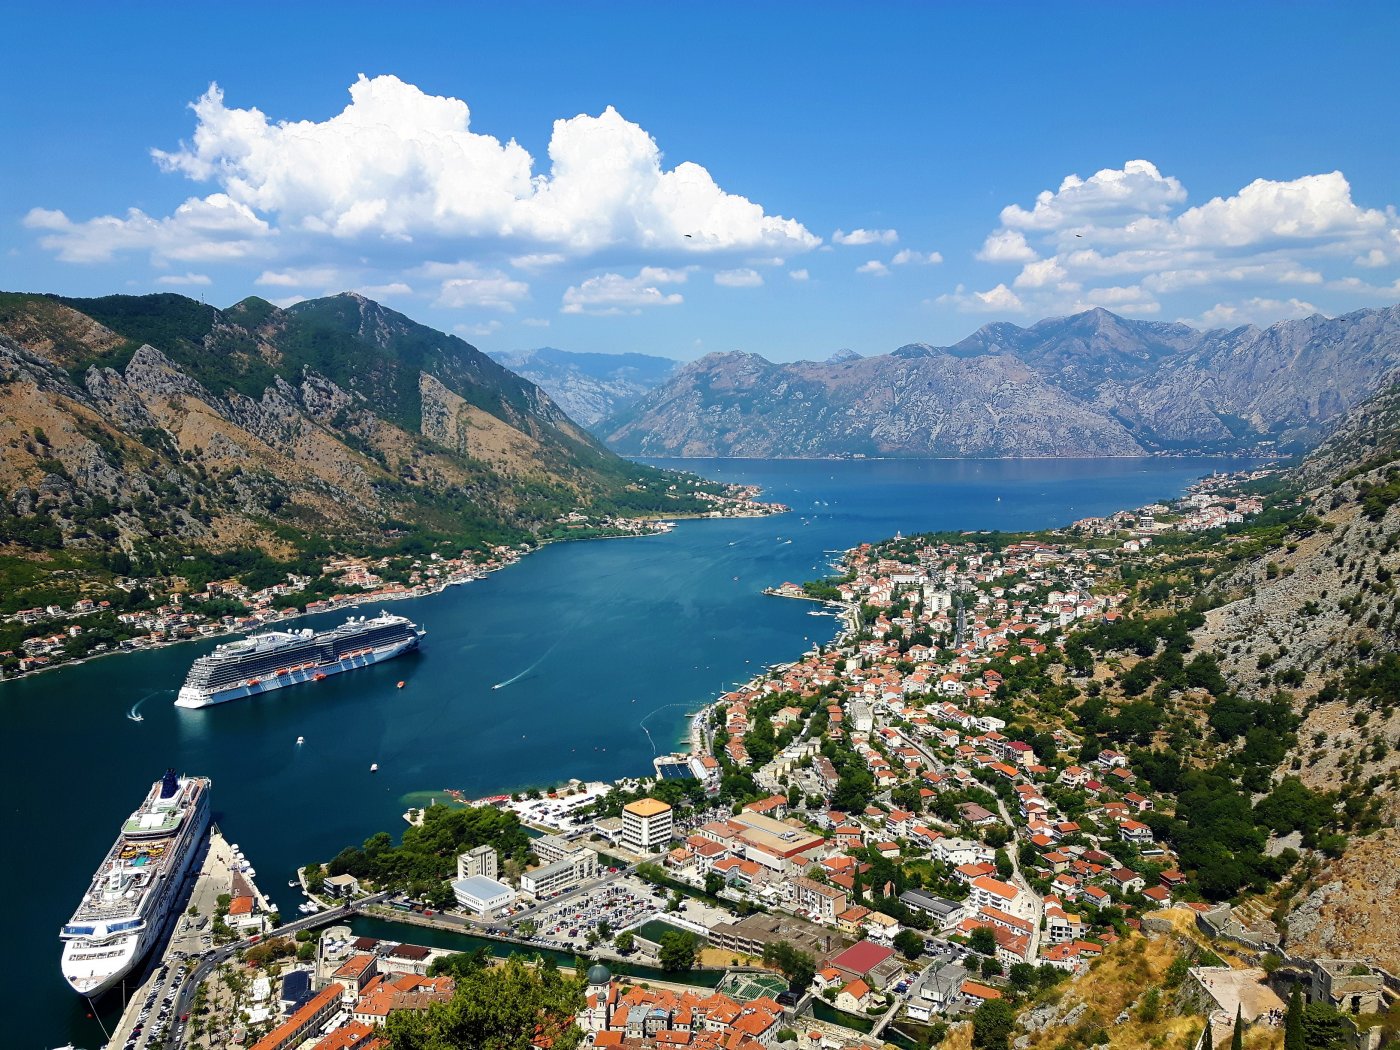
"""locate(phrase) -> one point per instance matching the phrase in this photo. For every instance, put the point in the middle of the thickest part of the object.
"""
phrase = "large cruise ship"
(132, 893)
(273, 659)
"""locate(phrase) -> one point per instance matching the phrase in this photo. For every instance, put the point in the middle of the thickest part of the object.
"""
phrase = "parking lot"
(619, 903)
(156, 1023)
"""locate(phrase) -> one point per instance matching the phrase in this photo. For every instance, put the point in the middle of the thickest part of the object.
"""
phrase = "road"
(1019, 881)
(213, 957)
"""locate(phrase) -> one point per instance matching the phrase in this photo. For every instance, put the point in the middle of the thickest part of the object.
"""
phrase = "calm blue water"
(606, 645)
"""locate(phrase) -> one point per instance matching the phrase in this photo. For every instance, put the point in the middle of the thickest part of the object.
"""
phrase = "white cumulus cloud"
(178, 279)
(909, 257)
(398, 165)
(1135, 190)
(1255, 311)
(478, 331)
(1129, 230)
(467, 285)
(742, 278)
(612, 293)
(213, 228)
(1000, 299)
(1007, 246)
(864, 237)
(1307, 209)
(537, 260)
(799, 275)
(874, 267)
(302, 277)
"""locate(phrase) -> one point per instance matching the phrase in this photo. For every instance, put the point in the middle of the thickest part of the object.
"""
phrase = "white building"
(646, 825)
(479, 861)
(560, 875)
(482, 895)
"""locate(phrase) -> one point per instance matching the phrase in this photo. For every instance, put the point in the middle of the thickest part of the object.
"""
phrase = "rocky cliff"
(1094, 384)
(156, 422)
(1316, 616)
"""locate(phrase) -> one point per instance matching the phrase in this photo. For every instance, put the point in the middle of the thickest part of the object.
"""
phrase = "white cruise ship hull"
(194, 697)
(93, 977)
(92, 969)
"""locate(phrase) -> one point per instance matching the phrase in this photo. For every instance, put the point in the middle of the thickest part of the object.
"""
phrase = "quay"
(154, 1014)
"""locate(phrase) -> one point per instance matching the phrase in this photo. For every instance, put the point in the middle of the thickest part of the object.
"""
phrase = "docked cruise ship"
(131, 895)
(273, 659)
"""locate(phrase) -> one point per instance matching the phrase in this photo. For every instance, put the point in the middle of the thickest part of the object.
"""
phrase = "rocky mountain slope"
(151, 425)
(589, 387)
(903, 404)
(1317, 617)
(1090, 384)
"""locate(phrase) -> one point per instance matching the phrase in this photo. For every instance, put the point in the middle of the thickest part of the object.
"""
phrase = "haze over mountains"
(589, 387)
(1092, 384)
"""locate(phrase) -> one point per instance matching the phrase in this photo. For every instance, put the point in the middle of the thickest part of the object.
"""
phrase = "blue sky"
(779, 178)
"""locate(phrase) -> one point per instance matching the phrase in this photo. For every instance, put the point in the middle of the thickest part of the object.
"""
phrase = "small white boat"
(301, 740)
(374, 767)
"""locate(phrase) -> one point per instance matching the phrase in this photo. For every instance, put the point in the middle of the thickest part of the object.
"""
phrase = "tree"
(1237, 1036)
(510, 1007)
(1293, 1023)
(909, 943)
(983, 941)
(460, 964)
(1207, 1040)
(796, 965)
(677, 951)
(624, 941)
(991, 1025)
(714, 882)
(1003, 863)
(1022, 976)
(1323, 1027)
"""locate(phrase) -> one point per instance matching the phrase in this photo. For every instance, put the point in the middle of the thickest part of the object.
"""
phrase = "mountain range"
(589, 387)
(156, 426)
(1093, 384)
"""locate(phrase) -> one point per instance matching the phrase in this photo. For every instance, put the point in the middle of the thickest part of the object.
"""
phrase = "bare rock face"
(1351, 916)
(924, 405)
(1089, 385)
(442, 414)
(340, 416)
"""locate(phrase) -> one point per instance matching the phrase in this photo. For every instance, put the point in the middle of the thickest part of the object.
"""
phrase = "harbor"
(665, 617)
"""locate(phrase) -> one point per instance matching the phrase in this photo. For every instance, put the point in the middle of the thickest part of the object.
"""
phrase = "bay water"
(600, 649)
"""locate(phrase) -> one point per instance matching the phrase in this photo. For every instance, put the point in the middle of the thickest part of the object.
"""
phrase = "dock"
(188, 933)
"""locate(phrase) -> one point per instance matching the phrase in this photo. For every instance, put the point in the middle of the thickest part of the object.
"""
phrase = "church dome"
(599, 974)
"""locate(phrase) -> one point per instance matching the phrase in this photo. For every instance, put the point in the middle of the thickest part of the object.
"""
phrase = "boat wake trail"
(543, 657)
(135, 713)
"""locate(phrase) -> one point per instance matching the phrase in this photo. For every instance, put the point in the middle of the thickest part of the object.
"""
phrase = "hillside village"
(961, 803)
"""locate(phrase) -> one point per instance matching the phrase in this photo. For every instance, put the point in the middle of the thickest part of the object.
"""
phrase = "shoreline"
(376, 597)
